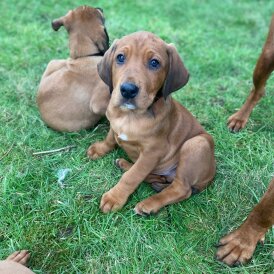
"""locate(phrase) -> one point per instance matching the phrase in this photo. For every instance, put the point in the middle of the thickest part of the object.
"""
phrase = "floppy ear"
(103, 43)
(100, 10)
(177, 75)
(104, 67)
(57, 23)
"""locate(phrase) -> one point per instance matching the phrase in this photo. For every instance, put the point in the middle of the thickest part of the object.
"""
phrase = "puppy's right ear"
(57, 23)
(104, 67)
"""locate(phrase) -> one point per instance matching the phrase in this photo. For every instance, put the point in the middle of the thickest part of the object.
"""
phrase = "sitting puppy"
(71, 95)
(167, 145)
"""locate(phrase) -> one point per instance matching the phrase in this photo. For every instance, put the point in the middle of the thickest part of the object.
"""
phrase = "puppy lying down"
(71, 96)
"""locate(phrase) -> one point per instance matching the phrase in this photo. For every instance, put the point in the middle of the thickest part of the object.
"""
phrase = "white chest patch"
(123, 137)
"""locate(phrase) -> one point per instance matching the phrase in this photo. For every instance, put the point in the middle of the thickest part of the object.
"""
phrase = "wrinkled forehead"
(142, 43)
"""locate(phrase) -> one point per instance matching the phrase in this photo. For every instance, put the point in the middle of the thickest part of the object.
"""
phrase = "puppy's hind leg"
(195, 171)
(157, 182)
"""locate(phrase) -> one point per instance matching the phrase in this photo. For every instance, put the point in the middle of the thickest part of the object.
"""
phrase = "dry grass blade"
(7, 152)
(66, 149)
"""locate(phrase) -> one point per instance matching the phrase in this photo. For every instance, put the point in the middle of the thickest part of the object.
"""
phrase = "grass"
(219, 42)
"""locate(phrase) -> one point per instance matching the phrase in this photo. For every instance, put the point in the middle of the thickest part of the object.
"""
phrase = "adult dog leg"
(195, 170)
(238, 246)
(263, 69)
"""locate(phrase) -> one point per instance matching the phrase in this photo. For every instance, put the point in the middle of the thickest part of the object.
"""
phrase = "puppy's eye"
(154, 64)
(120, 59)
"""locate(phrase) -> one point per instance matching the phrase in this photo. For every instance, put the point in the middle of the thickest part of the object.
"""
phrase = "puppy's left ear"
(57, 23)
(177, 75)
(104, 67)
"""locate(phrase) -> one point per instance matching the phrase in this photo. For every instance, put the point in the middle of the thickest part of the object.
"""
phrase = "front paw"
(112, 200)
(123, 164)
(236, 248)
(147, 207)
(97, 150)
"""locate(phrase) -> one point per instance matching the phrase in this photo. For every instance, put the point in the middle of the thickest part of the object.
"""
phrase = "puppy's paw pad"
(140, 212)
(144, 209)
(110, 203)
(94, 152)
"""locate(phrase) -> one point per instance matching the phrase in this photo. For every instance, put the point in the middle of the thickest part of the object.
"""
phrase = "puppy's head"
(86, 21)
(139, 67)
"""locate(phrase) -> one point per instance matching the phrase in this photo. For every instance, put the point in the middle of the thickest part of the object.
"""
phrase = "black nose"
(129, 90)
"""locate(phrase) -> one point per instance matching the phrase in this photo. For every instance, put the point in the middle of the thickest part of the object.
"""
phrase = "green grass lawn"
(219, 42)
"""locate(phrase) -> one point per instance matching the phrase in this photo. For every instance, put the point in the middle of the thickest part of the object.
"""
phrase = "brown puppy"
(71, 95)
(263, 69)
(238, 246)
(167, 145)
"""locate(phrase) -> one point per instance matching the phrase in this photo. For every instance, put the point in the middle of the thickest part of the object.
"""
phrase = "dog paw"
(20, 257)
(147, 207)
(236, 248)
(97, 150)
(112, 201)
(236, 122)
(123, 164)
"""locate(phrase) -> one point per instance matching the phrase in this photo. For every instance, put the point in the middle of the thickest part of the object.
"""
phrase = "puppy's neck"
(82, 46)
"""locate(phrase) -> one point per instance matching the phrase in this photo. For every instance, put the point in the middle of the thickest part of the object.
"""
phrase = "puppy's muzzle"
(129, 90)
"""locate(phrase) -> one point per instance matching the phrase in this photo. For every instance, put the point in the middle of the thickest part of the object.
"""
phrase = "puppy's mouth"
(128, 105)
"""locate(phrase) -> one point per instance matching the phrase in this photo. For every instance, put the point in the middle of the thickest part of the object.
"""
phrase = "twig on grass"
(7, 152)
(67, 148)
